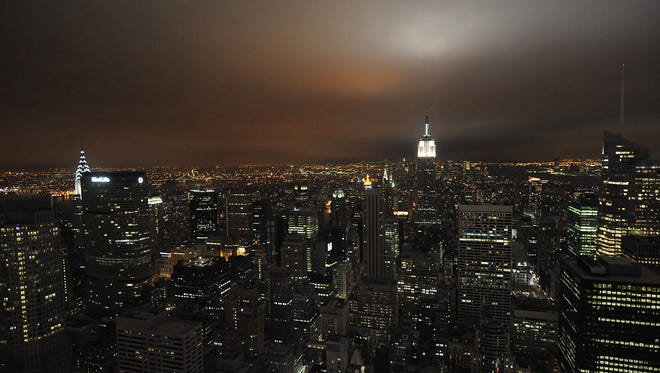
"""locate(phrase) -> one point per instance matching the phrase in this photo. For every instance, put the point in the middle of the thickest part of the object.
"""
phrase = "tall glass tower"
(116, 238)
(32, 335)
(484, 262)
(616, 208)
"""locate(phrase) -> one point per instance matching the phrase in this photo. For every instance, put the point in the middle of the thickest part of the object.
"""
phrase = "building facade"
(118, 256)
(609, 314)
(484, 262)
(32, 310)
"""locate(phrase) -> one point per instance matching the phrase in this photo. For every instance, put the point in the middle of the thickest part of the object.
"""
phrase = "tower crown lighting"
(426, 145)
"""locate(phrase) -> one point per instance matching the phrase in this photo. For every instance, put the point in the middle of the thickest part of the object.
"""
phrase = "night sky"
(234, 82)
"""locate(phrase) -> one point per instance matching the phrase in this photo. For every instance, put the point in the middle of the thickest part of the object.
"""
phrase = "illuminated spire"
(367, 182)
(426, 145)
(82, 169)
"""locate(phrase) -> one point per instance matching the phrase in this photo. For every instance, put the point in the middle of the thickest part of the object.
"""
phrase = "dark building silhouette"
(152, 342)
(238, 214)
(118, 256)
(246, 311)
(202, 283)
(375, 255)
(203, 214)
(644, 250)
(31, 287)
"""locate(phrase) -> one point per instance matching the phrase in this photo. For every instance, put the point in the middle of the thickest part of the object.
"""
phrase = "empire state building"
(426, 146)
(425, 212)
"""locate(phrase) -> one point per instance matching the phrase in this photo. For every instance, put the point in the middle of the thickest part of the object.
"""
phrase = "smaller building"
(152, 342)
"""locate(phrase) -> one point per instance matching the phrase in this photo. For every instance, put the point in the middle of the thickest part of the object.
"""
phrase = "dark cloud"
(201, 83)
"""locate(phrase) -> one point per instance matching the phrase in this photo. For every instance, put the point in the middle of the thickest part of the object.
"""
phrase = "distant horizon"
(36, 168)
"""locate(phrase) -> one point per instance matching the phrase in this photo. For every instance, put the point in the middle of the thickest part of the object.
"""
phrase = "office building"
(373, 310)
(534, 331)
(280, 304)
(609, 313)
(156, 225)
(375, 258)
(203, 214)
(246, 312)
(238, 214)
(616, 209)
(296, 249)
(334, 318)
(644, 250)
(303, 221)
(31, 287)
(203, 282)
(493, 343)
(484, 262)
(152, 342)
(646, 198)
(118, 256)
(582, 225)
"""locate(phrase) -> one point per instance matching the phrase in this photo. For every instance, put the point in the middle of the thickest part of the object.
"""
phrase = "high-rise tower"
(203, 214)
(608, 316)
(31, 287)
(425, 212)
(373, 303)
(426, 145)
(116, 238)
(374, 236)
(581, 225)
(83, 168)
(484, 262)
(617, 203)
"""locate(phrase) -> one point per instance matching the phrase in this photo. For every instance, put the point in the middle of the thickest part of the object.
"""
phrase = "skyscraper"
(303, 221)
(202, 281)
(118, 261)
(426, 212)
(83, 168)
(374, 257)
(608, 316)
(238, 210)
(203, 213)
(616, 209)
(246, 314)
(373, 304)
(581, 225)
(280, 303)
(296, 249)
(484, 262)
(31, 287)
(646, 198)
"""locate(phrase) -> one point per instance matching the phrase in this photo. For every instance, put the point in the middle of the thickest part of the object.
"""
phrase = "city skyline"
(229, 84)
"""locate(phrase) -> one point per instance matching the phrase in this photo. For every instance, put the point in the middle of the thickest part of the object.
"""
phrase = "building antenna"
(426, 125)
(621, 119)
